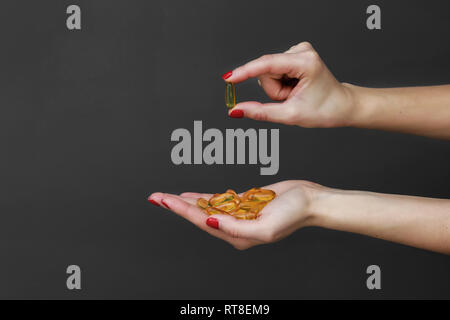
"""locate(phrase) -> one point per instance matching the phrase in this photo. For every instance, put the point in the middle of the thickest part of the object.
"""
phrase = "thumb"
(244, 229)
(272, 112)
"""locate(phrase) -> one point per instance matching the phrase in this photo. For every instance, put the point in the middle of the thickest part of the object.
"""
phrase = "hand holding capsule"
(310, 94)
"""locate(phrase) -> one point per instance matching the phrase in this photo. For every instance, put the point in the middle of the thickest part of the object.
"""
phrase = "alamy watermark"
(251, 146)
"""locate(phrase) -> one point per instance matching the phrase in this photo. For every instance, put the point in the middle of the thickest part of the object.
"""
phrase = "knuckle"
(312, 55)
(266, 58)
(312, 60)
(305, 45)
(234, 233)
(260, 115)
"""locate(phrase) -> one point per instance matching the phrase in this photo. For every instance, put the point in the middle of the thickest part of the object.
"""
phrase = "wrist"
(361, 102)
(319, 203)
(328, 206)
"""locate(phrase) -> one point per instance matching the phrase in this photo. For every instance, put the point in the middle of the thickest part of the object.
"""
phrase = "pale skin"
(308, 95)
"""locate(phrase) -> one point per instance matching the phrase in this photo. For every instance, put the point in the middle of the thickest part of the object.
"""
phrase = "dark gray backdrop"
(85, 128)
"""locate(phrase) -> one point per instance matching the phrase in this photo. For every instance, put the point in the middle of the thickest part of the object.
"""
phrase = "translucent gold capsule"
(202, 203)
(230, 99)
(252, 206)
(212, 210)
(240, 211)
(236, 196)
(219, 198)
(246, 194)
(228, 206)
(247, 207)
(258, 206)
(261, 195)
(245, 215)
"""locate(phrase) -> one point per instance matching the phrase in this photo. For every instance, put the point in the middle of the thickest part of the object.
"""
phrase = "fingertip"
(155, 198)
(156, 194)
(212, 222)
(227, 75)
(154, 202)
(169, 201)
(245, 109)
(239, 111)
(236, 75)
(247, 104)
(236, 113)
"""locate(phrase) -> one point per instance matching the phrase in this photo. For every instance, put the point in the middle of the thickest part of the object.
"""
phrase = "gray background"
(85, 128)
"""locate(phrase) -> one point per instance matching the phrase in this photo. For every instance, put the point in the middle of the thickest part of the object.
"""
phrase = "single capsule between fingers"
(230, 100)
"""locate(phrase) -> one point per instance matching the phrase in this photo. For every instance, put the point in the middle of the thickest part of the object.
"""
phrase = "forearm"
(415, 221)
(417, 110)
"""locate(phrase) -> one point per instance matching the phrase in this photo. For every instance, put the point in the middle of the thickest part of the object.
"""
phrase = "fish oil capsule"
(230, 93)
(258, 207)
(236, 196)
(220, 198)
(261, 195)
(245, 215)
(212, 210)
(246, 196)
(245, 207)
(202, 203)
(228, 206)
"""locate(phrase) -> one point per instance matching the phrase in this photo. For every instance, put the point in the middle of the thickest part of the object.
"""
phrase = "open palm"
(282, 216)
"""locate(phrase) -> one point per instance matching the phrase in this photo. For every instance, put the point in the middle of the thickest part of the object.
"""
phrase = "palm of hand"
(286, 213)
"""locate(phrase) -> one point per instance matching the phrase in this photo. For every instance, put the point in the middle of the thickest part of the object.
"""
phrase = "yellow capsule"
(261, 195)
(202, 203)
(236, 196)
(219, 198)
(258, 207)
(252, 206)
(230, 99)
(212, 210)
(228, 206)
(247, 205)
(244, 215)
(248, 193)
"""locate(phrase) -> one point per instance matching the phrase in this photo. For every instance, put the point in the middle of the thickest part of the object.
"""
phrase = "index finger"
(273, 63)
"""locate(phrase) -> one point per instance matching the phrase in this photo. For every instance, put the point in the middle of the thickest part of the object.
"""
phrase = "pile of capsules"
(247, 206)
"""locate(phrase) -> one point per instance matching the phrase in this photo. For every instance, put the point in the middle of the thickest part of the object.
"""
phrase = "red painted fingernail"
(237, 113)
(213, 223)
(165, 204)
(153, 202)
(227, 75)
